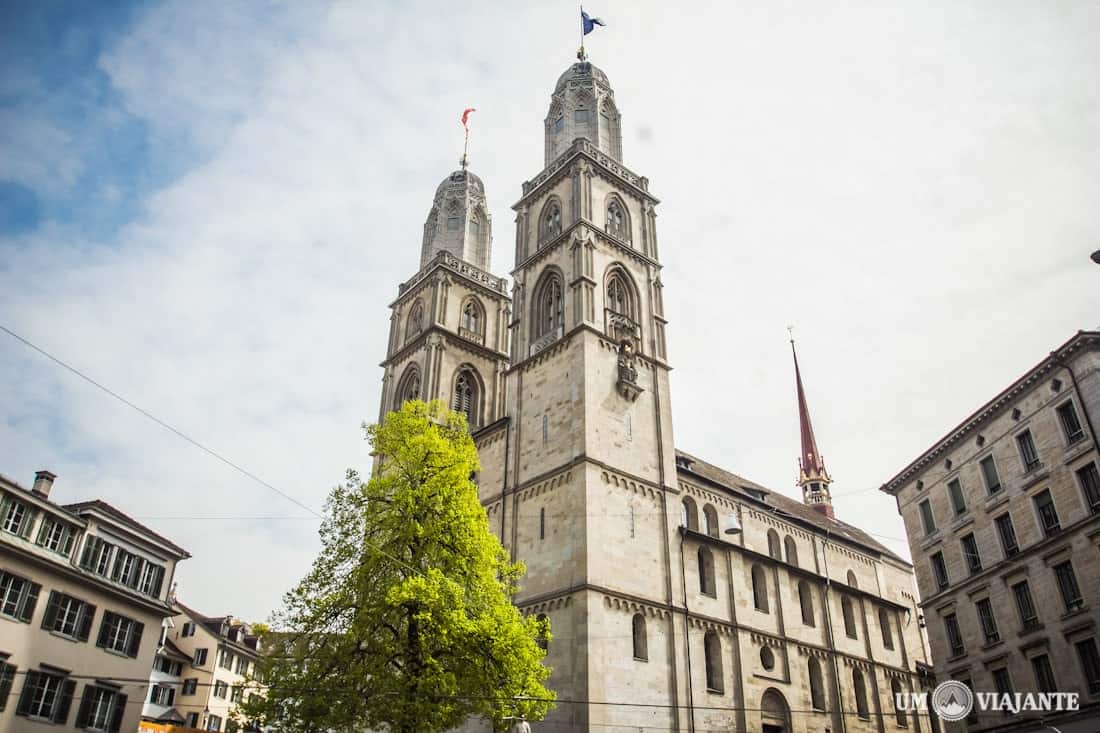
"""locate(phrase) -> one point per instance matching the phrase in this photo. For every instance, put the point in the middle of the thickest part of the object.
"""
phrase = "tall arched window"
(689, 515)
(542, 523)
(851, 579)
(408, 388)
(620, 296)
(712, 656)
(548, 305)
(414, 324)
(543, 638)
(467, 396)
(473, 317)
(895, 694)
(849, 617)
(550, 221)
(617, 222)
(860, 690)
(706, 572)
(791, 550)
(817, 685)
(773, 545)
(774, 711)
(884, 624)
(641, 650)
(806, 601)
(710, 517)
(759, 588)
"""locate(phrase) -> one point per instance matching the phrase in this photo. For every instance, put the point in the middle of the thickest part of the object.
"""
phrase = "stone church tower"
(681, 596)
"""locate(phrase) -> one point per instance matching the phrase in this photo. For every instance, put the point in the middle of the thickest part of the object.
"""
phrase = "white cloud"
(914, 190)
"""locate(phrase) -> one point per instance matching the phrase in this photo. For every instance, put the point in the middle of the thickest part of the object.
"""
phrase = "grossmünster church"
(682, 596)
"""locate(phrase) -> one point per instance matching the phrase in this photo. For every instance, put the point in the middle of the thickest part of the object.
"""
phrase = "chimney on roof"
(43, 481)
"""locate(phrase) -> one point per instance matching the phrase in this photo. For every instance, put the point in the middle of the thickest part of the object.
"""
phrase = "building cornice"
(1082, 340)
(584, 148)
(477, 278)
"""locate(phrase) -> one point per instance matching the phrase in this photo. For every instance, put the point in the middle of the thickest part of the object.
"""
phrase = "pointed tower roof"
(812, 476)
(459, 221)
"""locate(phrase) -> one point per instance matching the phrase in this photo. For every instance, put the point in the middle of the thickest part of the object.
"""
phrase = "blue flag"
(590, 23)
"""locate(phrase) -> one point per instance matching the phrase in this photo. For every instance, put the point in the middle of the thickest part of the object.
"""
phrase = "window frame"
(1069, 436)
(991, 488)
(1028, 451)
(1010, 545)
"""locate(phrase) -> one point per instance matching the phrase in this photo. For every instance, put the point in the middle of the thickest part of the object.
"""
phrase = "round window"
(766, 657)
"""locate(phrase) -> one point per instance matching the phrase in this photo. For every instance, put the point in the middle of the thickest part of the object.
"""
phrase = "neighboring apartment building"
(166, 682)
(221, 654)
(1003, 519)
(83, 593)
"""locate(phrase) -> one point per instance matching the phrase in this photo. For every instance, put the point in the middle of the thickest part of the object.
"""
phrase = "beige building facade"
(662, 620)
(83, 593)
(1003, 520)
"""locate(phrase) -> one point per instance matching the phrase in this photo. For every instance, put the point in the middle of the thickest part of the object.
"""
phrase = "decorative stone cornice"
(582, 147)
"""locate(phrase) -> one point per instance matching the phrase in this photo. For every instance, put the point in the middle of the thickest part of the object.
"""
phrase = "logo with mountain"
(952, 700)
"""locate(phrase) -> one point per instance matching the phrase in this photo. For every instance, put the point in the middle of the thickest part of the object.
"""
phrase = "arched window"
(408, 388)
(860, 690)
(851, 579)
(550, 221)
(414, 324)
(710, 517)
(817, 685)
(774, 712)
(689, 516)
(473, 317)
(706, 572)
(542, 523)
(548, 305)
(620, 296)
(467, 396)
(849, 617)
(543, 638)
(712, 655)
(617, 222)
(759, 588)
(895, 694)
(641, 650)
(791, 550)
(806, 601)
(773, 545)
(884, 624)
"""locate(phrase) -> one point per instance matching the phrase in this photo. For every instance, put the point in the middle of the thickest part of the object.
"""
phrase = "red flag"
(466, 116)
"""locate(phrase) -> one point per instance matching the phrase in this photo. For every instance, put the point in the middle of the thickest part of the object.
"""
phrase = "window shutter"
(171, 696)
(42, 529)
(119, 712)
(135, 639)
(87, 560)
(26, 610)
(50, 615)
(104, 628)
(64, 702)
(7, 676)
(24, 706)
(153, 693)
(85, 706)
(4, 508)
(159, 582)
(28, 522)
(135, 572)
(69, 541)
(87, 615)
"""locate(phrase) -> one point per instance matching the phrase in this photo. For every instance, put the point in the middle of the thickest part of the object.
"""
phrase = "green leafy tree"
(405, 621)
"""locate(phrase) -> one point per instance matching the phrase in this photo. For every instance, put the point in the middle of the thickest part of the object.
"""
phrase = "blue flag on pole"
(590, 23)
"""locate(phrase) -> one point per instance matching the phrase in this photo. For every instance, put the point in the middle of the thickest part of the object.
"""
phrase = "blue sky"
(208, 207)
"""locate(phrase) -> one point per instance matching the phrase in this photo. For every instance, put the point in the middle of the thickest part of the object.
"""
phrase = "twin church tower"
(565, 383)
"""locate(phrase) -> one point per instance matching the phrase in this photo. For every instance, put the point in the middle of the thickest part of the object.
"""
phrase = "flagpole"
(582, 56)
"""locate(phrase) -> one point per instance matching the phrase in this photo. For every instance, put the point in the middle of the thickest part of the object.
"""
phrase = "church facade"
(682, 597)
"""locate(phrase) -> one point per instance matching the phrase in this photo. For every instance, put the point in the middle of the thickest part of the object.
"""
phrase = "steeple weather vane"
(466, 126)
(588, 24)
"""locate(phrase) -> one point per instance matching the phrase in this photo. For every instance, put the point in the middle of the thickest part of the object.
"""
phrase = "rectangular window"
(7, 679)
(989, 475)
(988, 621)
(236, 693)
(939, 570)
(190, 686)
(188, 629)
(972, 717)
(1067, 584)
(580, 117)
(214, 723)
(46, 697)
(1090, 664)
(18, 596)
(1007, 534)
(970, 554)
(1067, 415)
(453, 223)
(192, 720)
(1089, 478)
(242, 665)
(1029, 618)
(68, 616)
(225, 659)
(162, 695)
(152, 578)
(56, 536)
(1028, 454)
(1002, 682)
(17, 519)
(954, 489)
(97, 555)
(221, 690)
(926, 517)
(120, 634)
(954, 636)
(1044, 675)
(200, 658)
(1048, 515)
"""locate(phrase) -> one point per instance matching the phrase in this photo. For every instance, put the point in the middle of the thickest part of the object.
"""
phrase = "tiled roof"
(782, 504)
(125, 519)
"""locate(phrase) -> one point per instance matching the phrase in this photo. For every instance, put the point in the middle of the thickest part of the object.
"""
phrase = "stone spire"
(459, 221)
(812, 476)
(583, 105)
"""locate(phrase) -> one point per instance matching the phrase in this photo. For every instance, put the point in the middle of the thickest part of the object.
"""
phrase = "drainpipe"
(829, 628)
(1080, 398)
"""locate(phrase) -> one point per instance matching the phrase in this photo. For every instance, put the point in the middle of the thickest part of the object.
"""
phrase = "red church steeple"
(812, 476)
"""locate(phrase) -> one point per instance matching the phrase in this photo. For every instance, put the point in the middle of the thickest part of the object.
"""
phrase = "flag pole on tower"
(466, 126)
(588, 24)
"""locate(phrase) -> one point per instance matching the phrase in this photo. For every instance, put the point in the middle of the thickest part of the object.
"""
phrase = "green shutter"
(85, 706)
(68, 541)
(135, 639)
(64, 702)
(28, 522)
(84, 626)
(87, 556)
(50, 616)
(159, 582)
(104, 626)
(26, 608)
(4, 509)
(119, 712)
(41, 539)
(24, 706)
(7, 676)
